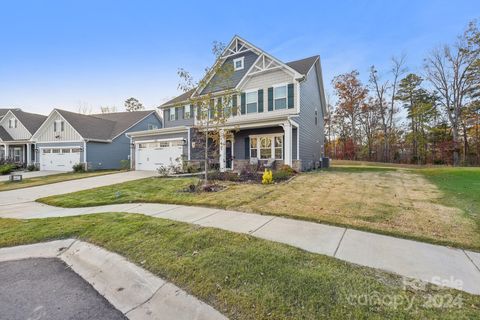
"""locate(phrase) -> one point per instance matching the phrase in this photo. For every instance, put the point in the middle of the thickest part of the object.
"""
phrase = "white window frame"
(172, 113)
(187, 112)
(152, 126)
(12, 123)
(275, 99)
(272, 136)
(58, 126)
(246, 100)
(242, 60)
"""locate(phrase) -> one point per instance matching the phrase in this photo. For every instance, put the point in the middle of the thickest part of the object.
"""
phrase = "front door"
(17, 154)
(229, 154)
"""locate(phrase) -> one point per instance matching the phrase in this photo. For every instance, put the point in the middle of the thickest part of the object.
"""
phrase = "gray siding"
(181, 120)
(47, 134)
(108, 155)
(311, 135)
(18, 133)
(214, 85)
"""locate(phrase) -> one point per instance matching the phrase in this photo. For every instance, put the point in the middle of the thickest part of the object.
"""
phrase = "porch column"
(7, 152)
(287, 128)
(223, 151)
(29, 154)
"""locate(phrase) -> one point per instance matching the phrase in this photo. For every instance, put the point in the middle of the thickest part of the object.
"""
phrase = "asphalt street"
(38, 289)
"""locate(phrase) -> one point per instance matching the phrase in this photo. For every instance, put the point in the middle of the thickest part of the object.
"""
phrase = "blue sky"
(72, 54)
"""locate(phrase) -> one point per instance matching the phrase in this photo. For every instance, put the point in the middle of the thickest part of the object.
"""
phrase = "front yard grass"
(245, 277)
(437, 205)
(54, 178)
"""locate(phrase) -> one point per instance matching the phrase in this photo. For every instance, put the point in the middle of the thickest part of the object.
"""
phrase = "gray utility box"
(325, 162)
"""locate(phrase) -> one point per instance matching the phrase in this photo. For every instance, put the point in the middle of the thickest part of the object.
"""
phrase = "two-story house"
(279, 114)
(97, 140)
(16, 130)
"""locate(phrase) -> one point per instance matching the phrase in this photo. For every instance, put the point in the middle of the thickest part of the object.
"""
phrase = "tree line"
(431, 117)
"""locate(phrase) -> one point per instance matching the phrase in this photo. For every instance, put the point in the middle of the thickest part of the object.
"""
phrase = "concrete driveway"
(31, 174)
(31, 194)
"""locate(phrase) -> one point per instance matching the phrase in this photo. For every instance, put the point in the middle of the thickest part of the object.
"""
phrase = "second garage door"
(152, 155)
(59, 159)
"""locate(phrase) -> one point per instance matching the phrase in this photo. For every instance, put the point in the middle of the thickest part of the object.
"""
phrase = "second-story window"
(58, 126)
(172, 114)
(280, 97)
(187, 112)
(252, 101)
(238, 63)
(12, 123)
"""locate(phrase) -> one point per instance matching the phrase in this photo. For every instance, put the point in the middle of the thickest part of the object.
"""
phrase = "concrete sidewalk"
(455, 268)
(33, 193)
(135, 292)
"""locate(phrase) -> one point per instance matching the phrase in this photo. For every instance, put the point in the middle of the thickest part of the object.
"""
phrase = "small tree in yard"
(132, 104)
(212, 110)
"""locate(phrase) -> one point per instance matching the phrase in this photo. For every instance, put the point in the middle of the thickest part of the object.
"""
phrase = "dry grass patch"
(393, 201)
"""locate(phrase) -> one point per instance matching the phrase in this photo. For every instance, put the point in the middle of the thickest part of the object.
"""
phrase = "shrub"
(286, 168)
(6, 168)
(32, 167)
(223, 176)
(267, 177)
(79, 167)
(125, 164)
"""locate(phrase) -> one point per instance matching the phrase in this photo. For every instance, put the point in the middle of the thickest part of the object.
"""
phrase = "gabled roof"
(303, 65)
(105, 126)
(251, 53)
(31, 121)
(4, 135)
(123, 120)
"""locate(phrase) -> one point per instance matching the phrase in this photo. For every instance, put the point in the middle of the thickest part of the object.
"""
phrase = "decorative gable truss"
(264, 64)
(237, 46)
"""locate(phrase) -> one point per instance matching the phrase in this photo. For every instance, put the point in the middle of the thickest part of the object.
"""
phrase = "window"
(152, 126)
(252, 104)
(65, 150)
(253, 148)
(266, 147)
(55, 150)
(47, 150)
(176, 143)
(227, 107)
(186, 112)
(142, 145)
(58, 126)
(163, 144)
(12, 123)
(280, 97)
(76, 150)
(172, 114)
(316, 117)
(238, 63)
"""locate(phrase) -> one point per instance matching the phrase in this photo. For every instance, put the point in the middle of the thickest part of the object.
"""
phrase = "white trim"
(57, 141)
(177, 129)
(272, 147)
(158, 140)
(188, 142)
(241, 59)
(246, 103)
(285, 85)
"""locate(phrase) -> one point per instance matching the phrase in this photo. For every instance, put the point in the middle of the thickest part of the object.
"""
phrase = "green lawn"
(244, 277)
(437, 205)
(40, 181)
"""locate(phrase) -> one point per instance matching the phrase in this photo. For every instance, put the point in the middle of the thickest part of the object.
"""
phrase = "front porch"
(16, 152)
(261, 145)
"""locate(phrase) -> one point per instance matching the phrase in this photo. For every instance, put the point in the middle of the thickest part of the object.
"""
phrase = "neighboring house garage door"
(152, 155)
(59, 159)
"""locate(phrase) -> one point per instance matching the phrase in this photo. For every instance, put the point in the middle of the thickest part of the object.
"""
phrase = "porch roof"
(4, 135)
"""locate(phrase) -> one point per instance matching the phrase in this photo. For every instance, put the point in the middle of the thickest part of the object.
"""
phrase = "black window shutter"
(242, 103)
(260, 100)
(234, 105)
(290, 96)
(247, 148)
(270, 99)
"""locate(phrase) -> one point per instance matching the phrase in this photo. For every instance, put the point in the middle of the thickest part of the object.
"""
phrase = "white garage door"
(59, 159)
(152, 155)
